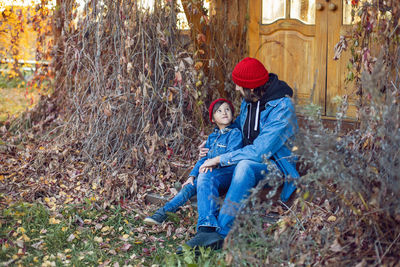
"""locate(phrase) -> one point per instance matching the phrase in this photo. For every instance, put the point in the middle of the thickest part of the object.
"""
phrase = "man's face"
(247, 94)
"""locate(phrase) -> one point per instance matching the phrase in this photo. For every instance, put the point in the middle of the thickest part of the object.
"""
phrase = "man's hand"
(202, 150)
(189, 181)
(209, 164)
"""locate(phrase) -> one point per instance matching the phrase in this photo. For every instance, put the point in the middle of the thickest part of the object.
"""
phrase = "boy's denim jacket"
(278, 125)
(220, 142)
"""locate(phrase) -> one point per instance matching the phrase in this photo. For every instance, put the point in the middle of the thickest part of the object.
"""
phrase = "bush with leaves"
(348, 209)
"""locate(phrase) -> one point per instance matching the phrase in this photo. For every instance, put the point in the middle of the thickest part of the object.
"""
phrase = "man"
(268, 123)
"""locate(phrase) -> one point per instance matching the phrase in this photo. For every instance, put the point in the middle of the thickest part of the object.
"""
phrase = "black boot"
(206, 237)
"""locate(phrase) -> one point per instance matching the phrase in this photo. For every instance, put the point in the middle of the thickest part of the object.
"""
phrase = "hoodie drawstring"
(257, 114)
(248, 127)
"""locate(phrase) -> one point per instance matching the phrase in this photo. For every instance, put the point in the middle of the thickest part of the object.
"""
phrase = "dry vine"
(131, 94)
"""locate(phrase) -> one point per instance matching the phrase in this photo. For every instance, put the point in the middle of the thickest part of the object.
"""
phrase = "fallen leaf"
(20, 243)
(336, 247)
(71, 237)
(331, 218)
(125, 237)
(105, 229)
(38, 245)
(98, 239)
(126, 247)
(105, 263)
(54, 221)
(21, 230)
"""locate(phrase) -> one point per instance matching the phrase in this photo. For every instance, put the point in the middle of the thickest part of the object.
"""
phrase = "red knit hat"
(210, 109)
(250, 73)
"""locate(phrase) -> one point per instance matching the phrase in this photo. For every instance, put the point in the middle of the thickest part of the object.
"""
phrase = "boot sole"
(150, 221)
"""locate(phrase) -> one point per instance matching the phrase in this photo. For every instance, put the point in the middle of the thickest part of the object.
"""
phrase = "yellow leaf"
(125, 237)
(331, 218)
(21, 230)
(198, 65)
(54, 221)
(105, 228)
(26, 238)
(68, 200)
(41, 148)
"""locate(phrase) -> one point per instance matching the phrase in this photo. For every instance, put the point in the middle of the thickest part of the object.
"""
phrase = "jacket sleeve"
(195, 170)
(277, 127)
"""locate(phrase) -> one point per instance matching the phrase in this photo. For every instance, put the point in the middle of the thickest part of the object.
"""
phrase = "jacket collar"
(223, 131)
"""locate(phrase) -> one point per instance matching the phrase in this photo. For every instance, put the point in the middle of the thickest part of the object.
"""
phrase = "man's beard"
(250, 95)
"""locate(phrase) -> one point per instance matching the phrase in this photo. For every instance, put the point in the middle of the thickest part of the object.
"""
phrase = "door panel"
(295, 39)
(288, 46)
(282, 52)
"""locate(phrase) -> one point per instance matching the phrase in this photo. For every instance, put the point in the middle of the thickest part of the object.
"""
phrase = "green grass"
(14, 97)
(86, 235)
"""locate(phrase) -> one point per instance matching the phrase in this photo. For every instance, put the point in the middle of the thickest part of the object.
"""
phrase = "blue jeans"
(181, 198)
(208, 187)
(246, 175)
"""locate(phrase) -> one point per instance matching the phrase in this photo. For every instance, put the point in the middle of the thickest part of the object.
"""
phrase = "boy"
(224, 138)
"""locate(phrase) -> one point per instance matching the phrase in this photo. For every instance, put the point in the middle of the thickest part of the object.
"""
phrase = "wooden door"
(295, 39)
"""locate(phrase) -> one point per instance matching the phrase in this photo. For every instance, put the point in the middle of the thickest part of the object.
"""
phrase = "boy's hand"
(202, 150)
(209, 164)
(189, 181)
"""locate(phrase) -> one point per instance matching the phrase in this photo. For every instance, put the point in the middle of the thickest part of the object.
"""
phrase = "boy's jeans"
(180, 199)
(246, 175)
(209, 185)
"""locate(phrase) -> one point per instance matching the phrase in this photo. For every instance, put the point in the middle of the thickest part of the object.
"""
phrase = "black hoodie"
(274, 89)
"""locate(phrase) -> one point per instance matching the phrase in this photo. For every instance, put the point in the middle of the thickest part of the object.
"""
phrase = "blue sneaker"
(157, 218)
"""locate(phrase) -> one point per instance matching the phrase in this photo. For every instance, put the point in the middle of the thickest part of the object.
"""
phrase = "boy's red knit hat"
(250, 73)
(210, 109)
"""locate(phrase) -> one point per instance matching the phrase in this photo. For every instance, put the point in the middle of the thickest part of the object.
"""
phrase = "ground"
(15, 98)
(63, 229)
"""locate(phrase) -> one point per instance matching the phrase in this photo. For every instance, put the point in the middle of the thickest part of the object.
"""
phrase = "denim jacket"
(278, 125)
(220, 142)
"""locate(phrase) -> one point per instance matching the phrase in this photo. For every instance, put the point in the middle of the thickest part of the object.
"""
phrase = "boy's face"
(223, 116)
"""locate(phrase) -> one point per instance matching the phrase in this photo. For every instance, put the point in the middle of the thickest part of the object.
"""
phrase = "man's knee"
(244, 167)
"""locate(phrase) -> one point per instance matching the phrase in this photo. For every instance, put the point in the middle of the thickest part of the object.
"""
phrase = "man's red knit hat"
(210, 109)
(250, 73)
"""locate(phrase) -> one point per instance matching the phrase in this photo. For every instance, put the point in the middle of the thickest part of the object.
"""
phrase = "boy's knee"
(203, 178)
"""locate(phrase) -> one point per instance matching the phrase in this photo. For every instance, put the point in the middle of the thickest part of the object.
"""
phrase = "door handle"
(319, 6)
(332, 7)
